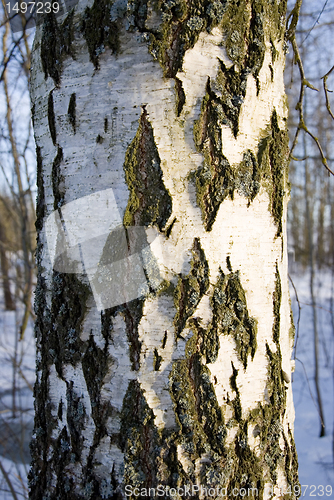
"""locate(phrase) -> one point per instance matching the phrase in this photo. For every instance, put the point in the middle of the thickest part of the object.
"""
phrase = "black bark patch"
(236, 401)
(170, 227)
(52, 119)
(58, 186)
(180, 96)
(56, 45)
(132, 313)
(40, 204)
(291, 460)
(247, 178)
(149, 200)
(75, 417)
(71, 111)
(279, 160)
(228, 91)
(99, 31)
(215, 178)
(191, 288)
(69, 297)
(157, 359)
(139, 439)
(277, 297)
(95, 367)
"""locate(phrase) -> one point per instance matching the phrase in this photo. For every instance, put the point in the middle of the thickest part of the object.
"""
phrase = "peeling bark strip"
(179, 108)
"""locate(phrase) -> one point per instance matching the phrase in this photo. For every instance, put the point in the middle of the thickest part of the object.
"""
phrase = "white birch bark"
(73, 452)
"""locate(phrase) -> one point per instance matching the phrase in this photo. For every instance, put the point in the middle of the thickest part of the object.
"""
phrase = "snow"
(314, 453)
(15, 427)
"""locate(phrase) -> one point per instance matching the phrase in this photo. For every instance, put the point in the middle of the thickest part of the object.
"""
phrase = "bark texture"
(179, 108)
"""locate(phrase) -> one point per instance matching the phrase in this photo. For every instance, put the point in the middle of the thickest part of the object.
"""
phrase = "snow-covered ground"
(15, 425)
(315, 453)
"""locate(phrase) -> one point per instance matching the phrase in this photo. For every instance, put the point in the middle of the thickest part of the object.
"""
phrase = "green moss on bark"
(182, 23)
(230, 315)
(149, 201)
(216, 179)
(273, 160)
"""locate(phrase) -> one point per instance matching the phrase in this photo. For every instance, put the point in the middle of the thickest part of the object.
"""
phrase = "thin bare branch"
(326, 90)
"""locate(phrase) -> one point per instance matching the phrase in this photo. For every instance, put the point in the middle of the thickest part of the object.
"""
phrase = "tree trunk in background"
(177, 373)
(9, 302)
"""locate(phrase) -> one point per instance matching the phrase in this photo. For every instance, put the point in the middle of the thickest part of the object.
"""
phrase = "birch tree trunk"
(163, 326)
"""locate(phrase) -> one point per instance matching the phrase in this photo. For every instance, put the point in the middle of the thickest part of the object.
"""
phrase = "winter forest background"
(311, 252)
